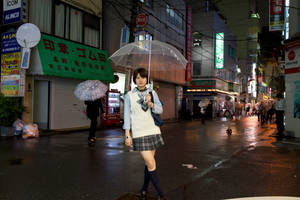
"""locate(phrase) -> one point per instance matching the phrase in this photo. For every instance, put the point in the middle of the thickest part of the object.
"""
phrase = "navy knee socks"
(154, 179)
(146, 180)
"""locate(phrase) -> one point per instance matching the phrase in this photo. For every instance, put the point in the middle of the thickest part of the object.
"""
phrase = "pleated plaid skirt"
(147, 143)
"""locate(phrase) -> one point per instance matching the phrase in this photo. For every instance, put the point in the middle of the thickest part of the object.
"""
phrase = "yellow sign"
(10, 63)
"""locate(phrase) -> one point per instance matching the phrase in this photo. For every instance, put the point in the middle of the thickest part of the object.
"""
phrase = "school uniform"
(137, 117)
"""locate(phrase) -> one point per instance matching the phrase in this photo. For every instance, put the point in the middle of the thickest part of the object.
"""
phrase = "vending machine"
(111, 116)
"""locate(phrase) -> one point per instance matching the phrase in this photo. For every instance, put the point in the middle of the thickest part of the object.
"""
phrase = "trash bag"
(19, 125)
(30, 130)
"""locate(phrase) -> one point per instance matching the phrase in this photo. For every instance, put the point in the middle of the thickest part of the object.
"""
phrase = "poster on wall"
(11, 75)
(10, 63)
(10, 85)
(297, 100)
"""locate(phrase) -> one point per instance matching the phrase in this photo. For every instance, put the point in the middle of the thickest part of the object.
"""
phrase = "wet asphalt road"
(197, 162)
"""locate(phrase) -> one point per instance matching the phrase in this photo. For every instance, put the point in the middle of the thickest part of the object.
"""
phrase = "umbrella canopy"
(90, 90)
(158, 56)
(203, 103)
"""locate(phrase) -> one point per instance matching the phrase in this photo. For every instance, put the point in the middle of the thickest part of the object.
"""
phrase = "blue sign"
(11, 16)
(297, 100)
(9, 43)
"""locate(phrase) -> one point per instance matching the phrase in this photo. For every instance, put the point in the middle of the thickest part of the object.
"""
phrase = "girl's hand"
(148, 98)
(128, 141)
(149, 102)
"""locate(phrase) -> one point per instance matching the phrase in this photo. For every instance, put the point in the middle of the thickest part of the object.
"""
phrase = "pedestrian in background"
(202, 107)
(279, 107)
(92, 112)
(228, 113)
(140, 129)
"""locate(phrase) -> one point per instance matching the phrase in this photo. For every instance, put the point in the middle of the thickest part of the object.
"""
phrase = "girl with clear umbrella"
(140, 129)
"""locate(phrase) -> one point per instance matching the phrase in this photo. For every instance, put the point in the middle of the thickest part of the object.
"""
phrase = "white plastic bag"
(19, 125)
(30, 130)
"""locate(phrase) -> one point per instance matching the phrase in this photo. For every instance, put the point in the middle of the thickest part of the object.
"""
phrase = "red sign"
(292, 55)
(188, 51)
(277, 7)
(141, 20)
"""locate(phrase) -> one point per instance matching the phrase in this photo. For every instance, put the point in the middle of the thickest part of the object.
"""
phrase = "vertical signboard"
(219, 51)
(276, 13)
(297, 100)
(10, 65)
(189, 44)
(11, 11)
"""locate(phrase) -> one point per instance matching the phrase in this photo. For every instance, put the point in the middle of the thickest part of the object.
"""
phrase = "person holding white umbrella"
(91, 92)
(140, 129)
(92, 112)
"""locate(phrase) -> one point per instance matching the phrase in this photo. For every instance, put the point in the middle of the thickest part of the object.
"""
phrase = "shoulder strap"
(152, 99)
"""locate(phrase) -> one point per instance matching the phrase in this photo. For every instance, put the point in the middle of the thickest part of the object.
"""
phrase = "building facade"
(215, 64)
(68, 53)
(292, 72)
(243, 19)
(166, 22)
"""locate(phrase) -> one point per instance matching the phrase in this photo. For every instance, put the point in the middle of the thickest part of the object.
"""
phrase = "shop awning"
(69, 59)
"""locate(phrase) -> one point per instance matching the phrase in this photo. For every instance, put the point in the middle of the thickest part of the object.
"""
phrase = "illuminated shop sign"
(219, 51)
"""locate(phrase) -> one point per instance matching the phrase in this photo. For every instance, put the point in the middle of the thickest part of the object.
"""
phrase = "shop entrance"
(41, 103)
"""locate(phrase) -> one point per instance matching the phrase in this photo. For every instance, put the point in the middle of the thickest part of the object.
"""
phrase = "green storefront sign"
(204, 84)
(64, 58)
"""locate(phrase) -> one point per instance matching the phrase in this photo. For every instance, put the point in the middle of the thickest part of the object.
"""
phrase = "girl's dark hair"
(143, 73)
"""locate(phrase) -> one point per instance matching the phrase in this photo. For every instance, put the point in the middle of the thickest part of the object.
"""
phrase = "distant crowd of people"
(268, 111)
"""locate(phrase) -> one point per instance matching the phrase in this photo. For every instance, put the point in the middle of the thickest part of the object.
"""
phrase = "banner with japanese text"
(10, 65)
(189, 44)
(69, 59)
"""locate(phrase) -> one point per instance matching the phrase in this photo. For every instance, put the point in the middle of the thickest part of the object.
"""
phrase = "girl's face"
(140, 81)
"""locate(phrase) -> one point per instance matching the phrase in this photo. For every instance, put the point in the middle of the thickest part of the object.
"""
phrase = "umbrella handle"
(149, 62)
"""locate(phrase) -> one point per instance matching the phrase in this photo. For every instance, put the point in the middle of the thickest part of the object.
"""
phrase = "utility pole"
(134, 9)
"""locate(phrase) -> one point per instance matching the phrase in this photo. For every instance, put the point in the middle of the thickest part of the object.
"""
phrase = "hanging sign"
(141, 20)
(276, 15)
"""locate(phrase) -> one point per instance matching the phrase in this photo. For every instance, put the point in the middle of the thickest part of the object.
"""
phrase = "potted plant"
(11, 108)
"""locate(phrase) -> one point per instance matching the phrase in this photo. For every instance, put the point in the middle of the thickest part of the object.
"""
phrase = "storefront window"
(76, 25)
(41, 14)
(174, 17)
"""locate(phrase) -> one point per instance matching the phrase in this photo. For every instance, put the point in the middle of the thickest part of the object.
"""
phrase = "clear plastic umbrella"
(151, 54)
(90, 90)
